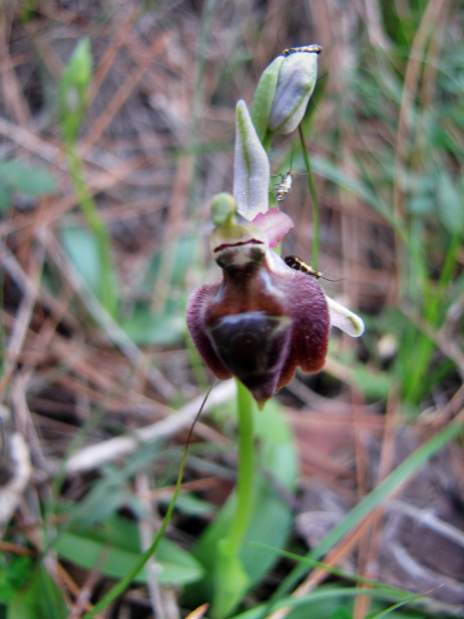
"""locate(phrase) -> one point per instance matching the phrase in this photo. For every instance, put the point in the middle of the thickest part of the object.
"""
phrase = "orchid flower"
(264, 319)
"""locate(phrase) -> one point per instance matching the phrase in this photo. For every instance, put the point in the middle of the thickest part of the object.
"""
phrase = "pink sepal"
(273, 224)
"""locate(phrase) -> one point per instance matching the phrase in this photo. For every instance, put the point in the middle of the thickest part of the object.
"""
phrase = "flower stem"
(314, 201)
(231, 580)
(243, 508)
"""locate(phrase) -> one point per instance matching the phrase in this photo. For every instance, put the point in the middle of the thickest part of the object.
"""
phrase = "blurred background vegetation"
(116, 128)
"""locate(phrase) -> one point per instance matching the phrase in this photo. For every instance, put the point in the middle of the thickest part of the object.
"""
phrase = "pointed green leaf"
(39, 599)
(31, 180)
(450, 204)
(113, 548)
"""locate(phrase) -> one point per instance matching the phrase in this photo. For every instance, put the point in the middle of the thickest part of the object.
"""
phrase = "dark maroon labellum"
(252, 346)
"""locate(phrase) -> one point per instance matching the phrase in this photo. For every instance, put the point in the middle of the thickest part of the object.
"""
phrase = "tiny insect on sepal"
(294, 262)
(315, 48)
(284, 187)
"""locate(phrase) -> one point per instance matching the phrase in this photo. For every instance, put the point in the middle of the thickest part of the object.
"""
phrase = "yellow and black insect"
(308, 49)
(300, 265)
(294, 262)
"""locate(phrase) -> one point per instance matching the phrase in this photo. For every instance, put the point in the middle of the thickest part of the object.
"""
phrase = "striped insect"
(308, 49)
(294, 262)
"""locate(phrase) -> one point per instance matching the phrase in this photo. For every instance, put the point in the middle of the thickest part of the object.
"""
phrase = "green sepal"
(264, 96)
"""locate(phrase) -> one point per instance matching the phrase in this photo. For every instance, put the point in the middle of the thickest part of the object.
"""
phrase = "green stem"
(245, 481)
(314, 200)
(231, 580)
(106, 283)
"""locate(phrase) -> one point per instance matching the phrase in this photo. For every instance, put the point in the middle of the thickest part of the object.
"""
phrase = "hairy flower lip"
(237, 244)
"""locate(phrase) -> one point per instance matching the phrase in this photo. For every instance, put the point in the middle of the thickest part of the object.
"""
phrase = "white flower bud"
(296, 82)
(251, 167)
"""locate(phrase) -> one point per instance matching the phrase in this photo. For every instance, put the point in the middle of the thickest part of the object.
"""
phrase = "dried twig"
(12, 92)
(19, 475)
(106, 451)
(22, 321)
(125, 90)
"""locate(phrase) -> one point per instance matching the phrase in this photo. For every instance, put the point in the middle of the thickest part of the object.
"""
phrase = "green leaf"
(31, 180)
(15, 572)
(193, 506)
(272, 518)
(179, 256)
(374, 385)
(82, 249)
(113, 548)
(327, 599)
(420, 205)
(40, 599)
(145, 327)
(341, 613)
(5, 196)
(450, 204)
(322, 602)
